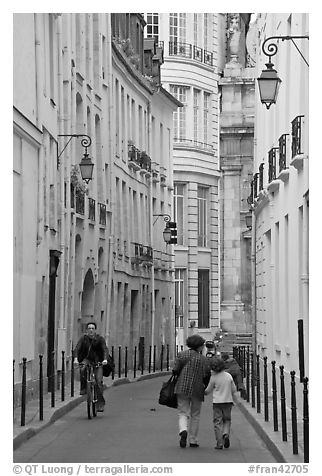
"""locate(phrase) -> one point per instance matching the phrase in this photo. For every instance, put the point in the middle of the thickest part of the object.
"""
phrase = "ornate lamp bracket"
(270, 49)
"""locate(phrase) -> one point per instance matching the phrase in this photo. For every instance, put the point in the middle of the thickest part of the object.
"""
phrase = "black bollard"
(62, 375)
(134, 364)
(154, 357)
(283, 404)
(253, 380)
(161, 363)
(23, 392)
(167, 357)
(53, 379)
(274, 396)
(150, 358)
(258, 389)
(265, 390)
(247, 375)
(120, 362)
(294, 415)
(125, 366)
(72, 375)
(41, 389)
(244, 361)
(113, 371)
(305, 420)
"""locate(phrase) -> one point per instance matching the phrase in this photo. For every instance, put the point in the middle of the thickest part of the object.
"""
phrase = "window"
(177, 27)
(195, 28)
(179, 297)
(206, 117)
(205, 31)
(152, 27)
(178, 210)
(179, 116)
(196, 114)
(202, 216)
(203, 298)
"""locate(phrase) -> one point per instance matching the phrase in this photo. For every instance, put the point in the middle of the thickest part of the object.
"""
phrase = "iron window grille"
(297, 136)
(261, 176)
(91, 209)
(282, 152)
(255, 185)
(272, 164)
(250, 198)
(80, 202)
(72, 195)
(102, 213)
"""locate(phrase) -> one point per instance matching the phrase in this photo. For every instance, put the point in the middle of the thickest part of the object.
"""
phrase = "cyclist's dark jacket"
(94, 349)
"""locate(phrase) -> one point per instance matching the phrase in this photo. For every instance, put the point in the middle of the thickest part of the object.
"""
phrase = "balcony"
(139, 160)
(102, 213)
(282, 152)
(187, 50)
(91, 209)
(261, 177)
(143, 255)
(183, 142)
(297, 143)
(273, 182)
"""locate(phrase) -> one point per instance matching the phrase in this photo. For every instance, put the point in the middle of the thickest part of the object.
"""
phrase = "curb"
(281, 450)
(65, 408)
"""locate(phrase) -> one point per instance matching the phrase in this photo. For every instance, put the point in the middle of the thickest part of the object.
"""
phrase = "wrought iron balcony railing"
(102, 213)
(187, 50)
(142, 253)
(192, 143)
(282, 152)
(72, 196)
(272, 164)
(80, 202)
(91, 209)
(255, 185)
(297, 124)
(141, 158)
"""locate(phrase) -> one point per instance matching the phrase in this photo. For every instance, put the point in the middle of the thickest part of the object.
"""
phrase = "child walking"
(223, 390)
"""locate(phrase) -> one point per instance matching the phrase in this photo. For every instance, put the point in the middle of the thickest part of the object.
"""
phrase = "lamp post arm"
(165, 216)
(85, 142)
(272, 48)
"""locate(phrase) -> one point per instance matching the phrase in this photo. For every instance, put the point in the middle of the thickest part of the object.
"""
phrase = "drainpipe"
(253, 281)
(110, 130)
(151, 230)
(61, 172)
(219, 217)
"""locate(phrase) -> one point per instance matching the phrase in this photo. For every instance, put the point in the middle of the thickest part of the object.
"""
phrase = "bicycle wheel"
(89, 399)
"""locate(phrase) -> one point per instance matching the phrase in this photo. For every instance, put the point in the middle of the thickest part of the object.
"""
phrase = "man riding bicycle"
(91, 349)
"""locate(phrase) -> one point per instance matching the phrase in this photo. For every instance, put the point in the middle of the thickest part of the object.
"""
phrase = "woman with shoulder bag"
(194, 374)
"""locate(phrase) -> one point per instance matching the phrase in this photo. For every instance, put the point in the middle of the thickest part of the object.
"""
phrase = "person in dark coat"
(194, 373)
(233, 368)
(92, 348)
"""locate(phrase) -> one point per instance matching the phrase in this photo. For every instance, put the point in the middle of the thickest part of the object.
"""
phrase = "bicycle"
(91, 388)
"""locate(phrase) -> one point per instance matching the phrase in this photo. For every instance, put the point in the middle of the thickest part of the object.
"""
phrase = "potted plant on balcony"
(76, 180)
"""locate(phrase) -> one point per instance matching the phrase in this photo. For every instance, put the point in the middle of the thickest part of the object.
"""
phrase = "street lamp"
(269, 82)
(86, 165)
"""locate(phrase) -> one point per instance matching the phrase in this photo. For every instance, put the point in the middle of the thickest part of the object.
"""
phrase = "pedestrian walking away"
(193, 373)
(224, 391)
(91, 349)
(232, 367)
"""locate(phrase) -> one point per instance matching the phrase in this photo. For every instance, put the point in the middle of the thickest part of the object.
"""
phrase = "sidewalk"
(50, 414)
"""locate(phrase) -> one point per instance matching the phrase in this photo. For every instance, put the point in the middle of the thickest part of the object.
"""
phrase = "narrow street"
(135, 429)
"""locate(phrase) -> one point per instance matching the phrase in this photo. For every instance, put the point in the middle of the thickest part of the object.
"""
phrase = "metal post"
(120, 363)
(23, 392)
(258, 389)
(265, 390)
(253, 379)
(113, 371)
(125, 367)
(294, 415)
(167, 357)
(41, 389)
(305, 420)
(62, 375)
(244, 361)
(13, 387)
(283, 404)
(247, 375)
(274, 395)
(72, 375)
(53, 379)
(142, 358)
(150, 358)
(161, 363)
(301, 348)
(154, 355)
(134, 365)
